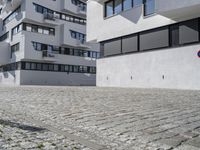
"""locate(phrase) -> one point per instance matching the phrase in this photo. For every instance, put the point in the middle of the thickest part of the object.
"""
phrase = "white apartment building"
(146, 43)
(43, 42)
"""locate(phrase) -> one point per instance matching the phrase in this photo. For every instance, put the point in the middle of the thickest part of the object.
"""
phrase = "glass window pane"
(118, 6)
(39, 46)
(109, 9)
(28, 27)
(149, 7)
(55, 67)
(189, 31)
(28, 66)
(66, 68)
(75, 68)
(34, 28)
(137, 2)
(51, 67)
(46, 31)
(40, 30)
(33, 66)
(39, 67)
(44, 67)
(127, 4)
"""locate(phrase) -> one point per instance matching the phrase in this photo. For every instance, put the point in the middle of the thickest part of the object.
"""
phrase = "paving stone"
(117, 118)
(173, 141)
(194, 142)
(186, 147)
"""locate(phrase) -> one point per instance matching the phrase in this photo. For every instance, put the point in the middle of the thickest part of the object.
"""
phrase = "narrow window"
(118, 6)
(149, 7)
(109, 9)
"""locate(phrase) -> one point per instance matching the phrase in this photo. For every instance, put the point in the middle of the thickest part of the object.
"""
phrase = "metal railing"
(49, 16)
(46, 53)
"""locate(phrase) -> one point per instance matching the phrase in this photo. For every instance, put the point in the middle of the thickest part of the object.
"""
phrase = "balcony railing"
(49, 54)
(82, 8)
(81, 41)
(49, 16)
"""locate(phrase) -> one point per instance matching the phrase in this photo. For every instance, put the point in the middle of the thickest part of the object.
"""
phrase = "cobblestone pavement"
(89, 118)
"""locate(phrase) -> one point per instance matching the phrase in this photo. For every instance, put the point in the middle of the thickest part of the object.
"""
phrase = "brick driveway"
(99, 118)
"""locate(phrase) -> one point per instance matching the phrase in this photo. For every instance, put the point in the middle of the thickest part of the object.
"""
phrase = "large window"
(184, 32)
(189, 32)
(112, 47)
(130, 44)
(153, 39)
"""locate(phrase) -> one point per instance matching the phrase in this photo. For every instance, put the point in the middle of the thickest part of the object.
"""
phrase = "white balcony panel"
(10, 5)
(68, 6)
(50, 19)
(177, 9)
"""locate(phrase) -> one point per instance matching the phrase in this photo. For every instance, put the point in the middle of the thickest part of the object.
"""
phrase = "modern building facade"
(43, 42)
(146, 43)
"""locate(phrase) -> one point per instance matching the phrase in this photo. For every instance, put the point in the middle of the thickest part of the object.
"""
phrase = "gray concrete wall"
(56, 78)
(175, 68)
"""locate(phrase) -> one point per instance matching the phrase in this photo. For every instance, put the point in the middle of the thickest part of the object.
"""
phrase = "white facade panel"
(175, 68)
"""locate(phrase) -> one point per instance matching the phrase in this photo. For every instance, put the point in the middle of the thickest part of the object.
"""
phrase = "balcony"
(67, 39)
(78, 9)
(50, 19)
(178, 9)
(10, 5)
(48, 55)
(82, 43)
(81, 9)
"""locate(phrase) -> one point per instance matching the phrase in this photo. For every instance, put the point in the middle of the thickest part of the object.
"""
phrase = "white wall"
(178, 66)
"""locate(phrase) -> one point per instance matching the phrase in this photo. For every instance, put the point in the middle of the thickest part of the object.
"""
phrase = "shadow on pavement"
(21, 126)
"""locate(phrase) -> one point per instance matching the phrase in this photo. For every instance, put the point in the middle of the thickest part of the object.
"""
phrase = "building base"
(174, 68)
